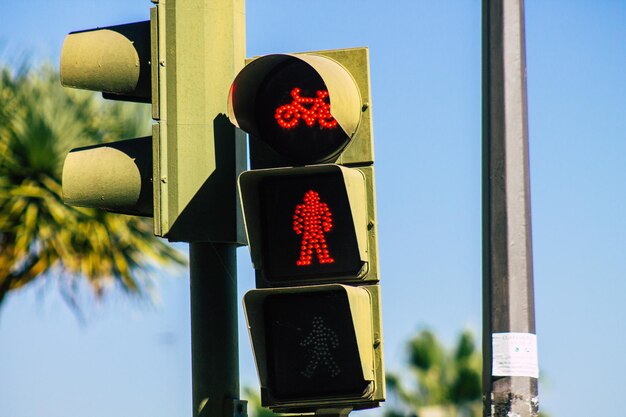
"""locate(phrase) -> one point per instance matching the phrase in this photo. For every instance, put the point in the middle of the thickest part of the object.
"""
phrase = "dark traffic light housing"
(317, 346)
(307, 224)
(262, 90)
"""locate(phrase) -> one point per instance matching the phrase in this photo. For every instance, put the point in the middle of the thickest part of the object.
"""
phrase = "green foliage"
(443, 383)
(255, 409)
(40, 121)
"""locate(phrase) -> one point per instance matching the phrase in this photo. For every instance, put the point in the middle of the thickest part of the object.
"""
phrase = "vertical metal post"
(205, 48)
(509, 341)
(214, 343)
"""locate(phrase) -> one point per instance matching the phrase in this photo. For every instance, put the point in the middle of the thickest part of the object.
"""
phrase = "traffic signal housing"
(194, 153)
(115, 60)
(279, 207)
(310, 217)
(317, 347)
(262, 91)
(115, 176)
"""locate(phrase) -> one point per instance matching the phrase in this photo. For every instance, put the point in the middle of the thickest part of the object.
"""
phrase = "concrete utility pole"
(510, 369)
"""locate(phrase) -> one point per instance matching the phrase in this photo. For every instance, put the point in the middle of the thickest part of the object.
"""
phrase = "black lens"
(295, 115)
(312, 347)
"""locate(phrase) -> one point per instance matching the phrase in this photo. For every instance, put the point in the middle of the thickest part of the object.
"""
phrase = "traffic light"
(279, 206)
(114, 176)
(194, 153)
(310, 217)
(317, 347)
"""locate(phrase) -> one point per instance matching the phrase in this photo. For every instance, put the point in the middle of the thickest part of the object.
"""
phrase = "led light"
(309, 109)
(312, 219)
(306, 225)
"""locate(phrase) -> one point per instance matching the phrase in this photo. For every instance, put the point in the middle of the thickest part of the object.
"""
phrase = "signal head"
(305, 107)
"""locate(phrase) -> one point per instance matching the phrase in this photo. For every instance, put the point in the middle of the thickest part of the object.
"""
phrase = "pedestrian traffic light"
(307, 224)
(310, 217)
(317, 347)
(194, 154)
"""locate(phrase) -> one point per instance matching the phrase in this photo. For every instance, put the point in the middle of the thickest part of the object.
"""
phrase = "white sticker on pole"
(514, 354)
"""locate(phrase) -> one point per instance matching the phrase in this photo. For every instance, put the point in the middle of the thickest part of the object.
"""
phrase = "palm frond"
(448, 380)
(39, 235)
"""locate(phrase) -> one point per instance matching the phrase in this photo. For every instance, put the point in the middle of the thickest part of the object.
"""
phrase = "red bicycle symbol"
(316, 110)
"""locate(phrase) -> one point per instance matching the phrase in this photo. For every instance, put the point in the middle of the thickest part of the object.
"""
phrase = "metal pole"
(214, 343)
(509, 342)
(209, 43)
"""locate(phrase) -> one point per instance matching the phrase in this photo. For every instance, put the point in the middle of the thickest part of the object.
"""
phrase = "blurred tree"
(255, 409)
(444, 383)
(40, 121)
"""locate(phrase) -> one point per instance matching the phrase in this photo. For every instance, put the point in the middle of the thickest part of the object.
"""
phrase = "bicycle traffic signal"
(309, 212)
(283, 100)
(175, 174)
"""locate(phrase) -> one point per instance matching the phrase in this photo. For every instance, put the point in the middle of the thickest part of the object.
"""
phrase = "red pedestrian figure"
(311, 220)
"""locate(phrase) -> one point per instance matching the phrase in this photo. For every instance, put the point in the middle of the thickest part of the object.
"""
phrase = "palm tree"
(40, 236)
(255, 409)
(446, 383)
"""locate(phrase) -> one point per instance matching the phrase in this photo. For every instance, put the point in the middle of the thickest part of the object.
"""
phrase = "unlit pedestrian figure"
(321, 341)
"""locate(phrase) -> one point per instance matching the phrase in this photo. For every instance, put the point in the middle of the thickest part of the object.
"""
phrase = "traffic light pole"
(509, 342)
(183, 61)
(205, 50)
(214, 342)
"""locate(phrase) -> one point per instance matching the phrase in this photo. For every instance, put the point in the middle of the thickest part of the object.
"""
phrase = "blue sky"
(130, 359)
